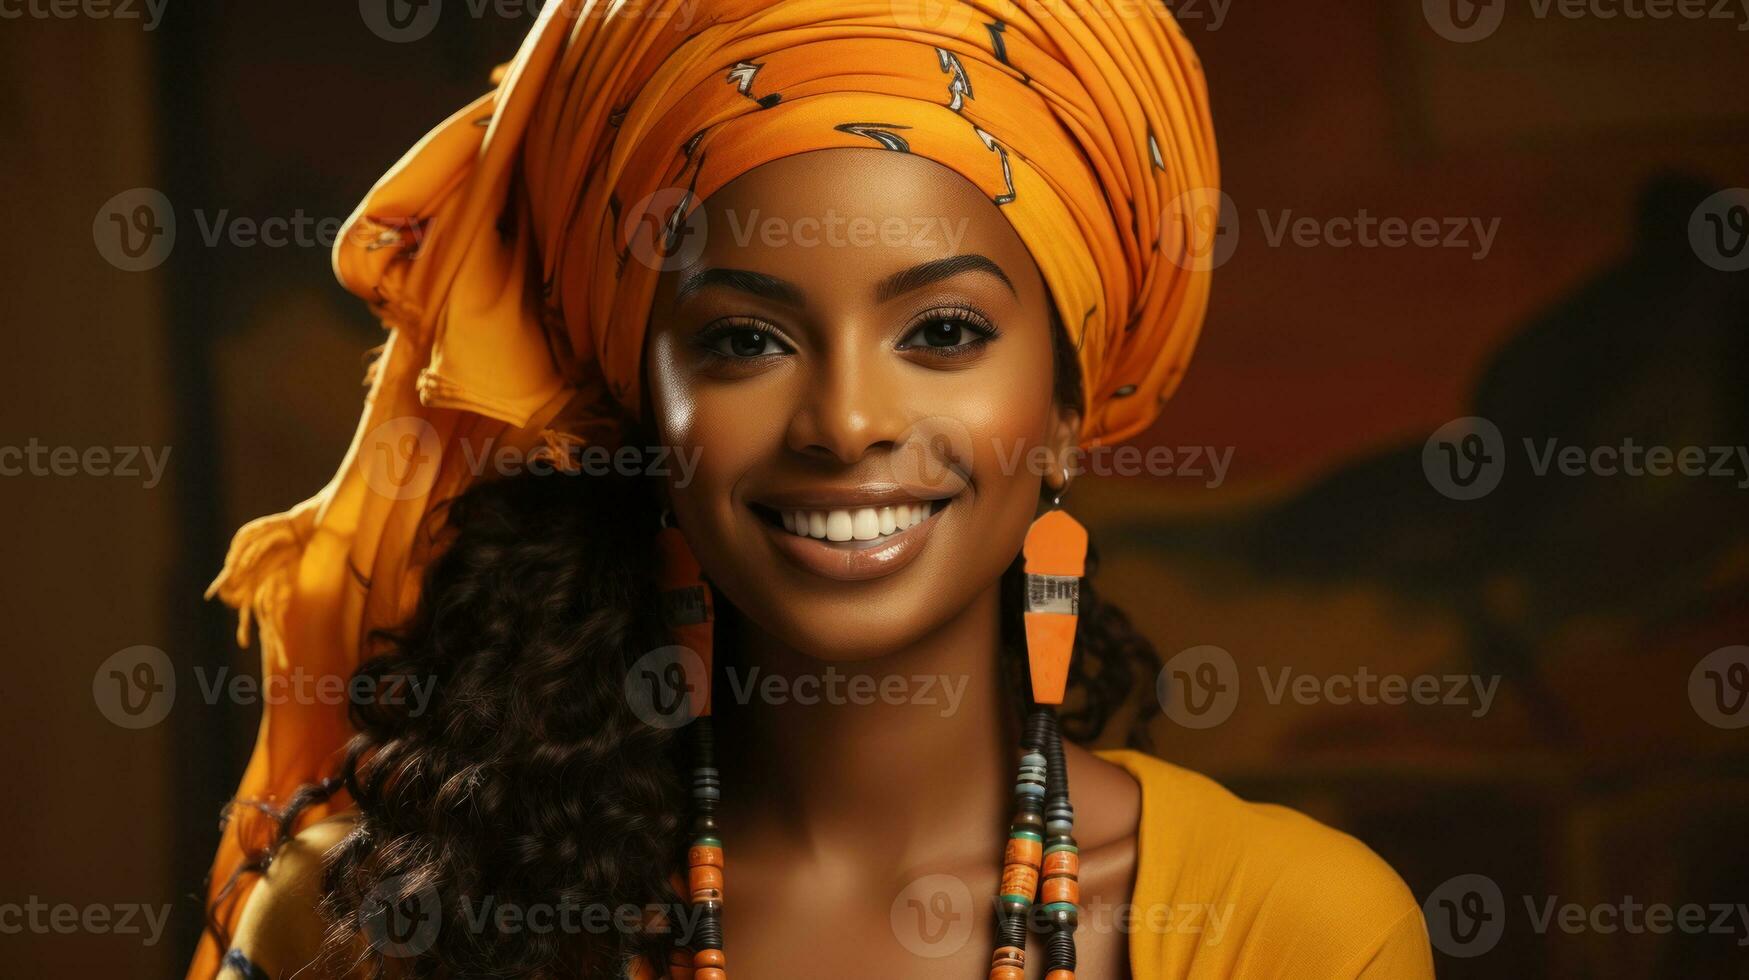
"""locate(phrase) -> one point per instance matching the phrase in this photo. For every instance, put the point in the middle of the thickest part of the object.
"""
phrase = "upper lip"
(846, 498)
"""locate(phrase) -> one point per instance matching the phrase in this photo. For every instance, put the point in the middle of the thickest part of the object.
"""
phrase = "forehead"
(843, 216)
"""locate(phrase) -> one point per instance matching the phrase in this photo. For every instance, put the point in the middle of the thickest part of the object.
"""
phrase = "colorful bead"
(706, 882)
(1024, 847)
(1008, 963)
(1060, 890)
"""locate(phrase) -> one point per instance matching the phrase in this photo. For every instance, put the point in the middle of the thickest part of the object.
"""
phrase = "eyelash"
(983, 330)
(710, 336)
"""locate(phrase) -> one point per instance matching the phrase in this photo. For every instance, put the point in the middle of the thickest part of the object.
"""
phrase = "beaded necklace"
(1040, 839)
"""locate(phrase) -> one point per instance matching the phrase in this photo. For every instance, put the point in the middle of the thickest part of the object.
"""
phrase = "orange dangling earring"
(1056, 558)
(687, 606)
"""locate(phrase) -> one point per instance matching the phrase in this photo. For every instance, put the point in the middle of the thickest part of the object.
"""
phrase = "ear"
(1063, 440)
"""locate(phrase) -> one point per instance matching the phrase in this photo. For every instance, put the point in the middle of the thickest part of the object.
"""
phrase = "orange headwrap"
(513, 255)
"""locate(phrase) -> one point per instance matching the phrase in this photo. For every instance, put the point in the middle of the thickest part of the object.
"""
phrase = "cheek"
(1010, 417)
(729, 429)
(672, 402)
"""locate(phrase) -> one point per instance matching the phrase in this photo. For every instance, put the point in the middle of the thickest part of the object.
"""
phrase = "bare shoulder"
(280, 931)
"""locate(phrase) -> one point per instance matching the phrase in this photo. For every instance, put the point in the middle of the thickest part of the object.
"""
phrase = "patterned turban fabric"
(513, 253)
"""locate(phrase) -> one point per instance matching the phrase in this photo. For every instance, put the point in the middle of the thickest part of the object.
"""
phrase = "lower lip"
(855, 561)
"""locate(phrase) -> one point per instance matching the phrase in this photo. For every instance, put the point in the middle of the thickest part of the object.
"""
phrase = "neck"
(902, 758)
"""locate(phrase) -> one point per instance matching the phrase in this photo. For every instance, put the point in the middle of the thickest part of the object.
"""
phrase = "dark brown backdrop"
(1595, 776)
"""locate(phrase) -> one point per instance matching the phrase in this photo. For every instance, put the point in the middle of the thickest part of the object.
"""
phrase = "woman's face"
(860, 356)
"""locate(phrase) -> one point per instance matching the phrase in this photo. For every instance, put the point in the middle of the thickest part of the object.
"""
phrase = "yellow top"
(1225, 890)
(1228, 888)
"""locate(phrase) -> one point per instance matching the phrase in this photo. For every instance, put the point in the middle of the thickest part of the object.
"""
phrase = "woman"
(738, 350)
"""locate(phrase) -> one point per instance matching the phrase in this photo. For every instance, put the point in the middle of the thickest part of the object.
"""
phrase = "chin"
(849, 628)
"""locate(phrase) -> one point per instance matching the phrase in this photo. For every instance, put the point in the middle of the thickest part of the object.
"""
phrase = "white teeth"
(859, 524)
(865, 524)
(838, 525)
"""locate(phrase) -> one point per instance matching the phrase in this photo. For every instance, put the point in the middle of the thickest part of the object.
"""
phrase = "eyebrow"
(899, 283)
(918, 276)
(742, 280)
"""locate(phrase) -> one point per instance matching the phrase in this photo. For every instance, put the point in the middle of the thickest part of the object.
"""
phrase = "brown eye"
(949, 333)
(748, 343)
(741, 342)
(942, 333)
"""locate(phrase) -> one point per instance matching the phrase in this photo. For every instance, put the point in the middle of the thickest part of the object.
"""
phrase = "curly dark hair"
(528, 776)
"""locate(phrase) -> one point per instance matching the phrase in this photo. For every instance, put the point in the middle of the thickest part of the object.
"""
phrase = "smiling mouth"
(855, 543)
(852, 527)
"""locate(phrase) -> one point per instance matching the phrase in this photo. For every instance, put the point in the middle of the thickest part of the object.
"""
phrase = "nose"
(852, 405)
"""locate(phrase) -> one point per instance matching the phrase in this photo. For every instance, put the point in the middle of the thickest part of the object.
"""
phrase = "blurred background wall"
(1586, 745)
